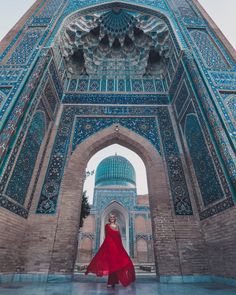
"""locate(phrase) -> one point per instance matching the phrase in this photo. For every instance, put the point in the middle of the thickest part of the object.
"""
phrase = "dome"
(115, 171)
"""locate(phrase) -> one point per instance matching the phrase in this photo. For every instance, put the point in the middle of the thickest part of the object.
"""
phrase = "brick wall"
(220, 236)
(11, 235)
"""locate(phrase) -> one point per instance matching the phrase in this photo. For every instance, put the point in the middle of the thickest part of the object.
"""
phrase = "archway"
(71, 191)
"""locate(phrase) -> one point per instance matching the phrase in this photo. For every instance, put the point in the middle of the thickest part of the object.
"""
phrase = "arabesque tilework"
(198, 58)
(85, 127)
(19, 182)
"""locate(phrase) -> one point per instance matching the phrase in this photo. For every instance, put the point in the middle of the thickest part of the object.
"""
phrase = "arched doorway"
(159, 199)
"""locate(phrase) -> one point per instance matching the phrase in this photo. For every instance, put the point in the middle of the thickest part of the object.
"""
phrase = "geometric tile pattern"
(227, 200)
(208, 182)
(146, 127)
(23, 170)
(228, 107)
(115, 85)
(87, 126)
(177, 179)
(213, 119)
(110, 98)
(210, 53)
(181, 97)
(148, 85)
(23, 51)
(7, 75)
(24, 98)
(231, 104)
(50, 96)
(55, 78)
(224, 79)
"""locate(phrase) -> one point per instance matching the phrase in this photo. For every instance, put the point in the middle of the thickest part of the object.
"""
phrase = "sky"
(222, 12)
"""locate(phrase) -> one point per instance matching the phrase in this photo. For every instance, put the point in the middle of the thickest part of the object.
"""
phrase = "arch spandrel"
(72, 186)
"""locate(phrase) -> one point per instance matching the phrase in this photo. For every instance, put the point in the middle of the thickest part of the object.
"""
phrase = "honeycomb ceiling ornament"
(116, 43)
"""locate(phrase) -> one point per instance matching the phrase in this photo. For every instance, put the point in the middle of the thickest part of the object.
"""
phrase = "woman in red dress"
(112, 259)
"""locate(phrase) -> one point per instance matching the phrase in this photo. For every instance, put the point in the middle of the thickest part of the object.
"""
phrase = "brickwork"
(220, 236)
(12, 230)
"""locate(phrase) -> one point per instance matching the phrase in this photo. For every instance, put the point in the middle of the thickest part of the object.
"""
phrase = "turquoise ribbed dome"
(115, 170)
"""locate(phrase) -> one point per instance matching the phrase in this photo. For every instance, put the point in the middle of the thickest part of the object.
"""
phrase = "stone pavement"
(143, 286)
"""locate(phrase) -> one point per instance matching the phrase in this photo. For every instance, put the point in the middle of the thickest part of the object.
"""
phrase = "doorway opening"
(116, 181)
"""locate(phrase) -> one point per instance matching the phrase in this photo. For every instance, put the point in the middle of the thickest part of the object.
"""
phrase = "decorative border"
(85, 127)
(105, 98)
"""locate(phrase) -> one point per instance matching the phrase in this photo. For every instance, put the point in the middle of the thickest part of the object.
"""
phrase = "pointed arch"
(71, 196)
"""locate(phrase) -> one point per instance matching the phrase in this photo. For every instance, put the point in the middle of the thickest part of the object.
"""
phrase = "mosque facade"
(156, 76)
(115, 192)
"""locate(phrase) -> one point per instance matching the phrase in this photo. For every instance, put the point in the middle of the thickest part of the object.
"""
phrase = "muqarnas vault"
(155, 76)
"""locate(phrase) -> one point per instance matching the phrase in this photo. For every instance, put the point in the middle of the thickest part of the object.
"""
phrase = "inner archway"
(116, 182)
(72, 187)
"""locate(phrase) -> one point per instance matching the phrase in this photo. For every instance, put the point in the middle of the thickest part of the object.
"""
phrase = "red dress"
(112, 259)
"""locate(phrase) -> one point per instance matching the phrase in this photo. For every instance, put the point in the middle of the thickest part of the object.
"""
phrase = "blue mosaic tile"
(103, 85)
(213, 118)
(21, 104)
(83, 85)
(228, 106)
(146, 127)
(128, 85)
(26, 47)
(210, 53)
(182, 97)
(149, 85)
(219, 207)
(159, 86)
(50, 9)
(110, 85)
(178, 76)
(208, 182)
(179, 189)
(116, 98)
(49, 194)
(114, 85)
(171, 70)
(187, 15)
(50, 97)
(40, 21)
(13, 207)
(5, 90)
(224, 80)
(19, 182)
(56, 79)
(121, 85)
(137, 85)
(72, 85)
(7, 75)
(94, 85)
(87, 126)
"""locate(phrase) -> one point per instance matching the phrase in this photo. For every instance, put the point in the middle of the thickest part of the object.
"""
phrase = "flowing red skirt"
(112, 260)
